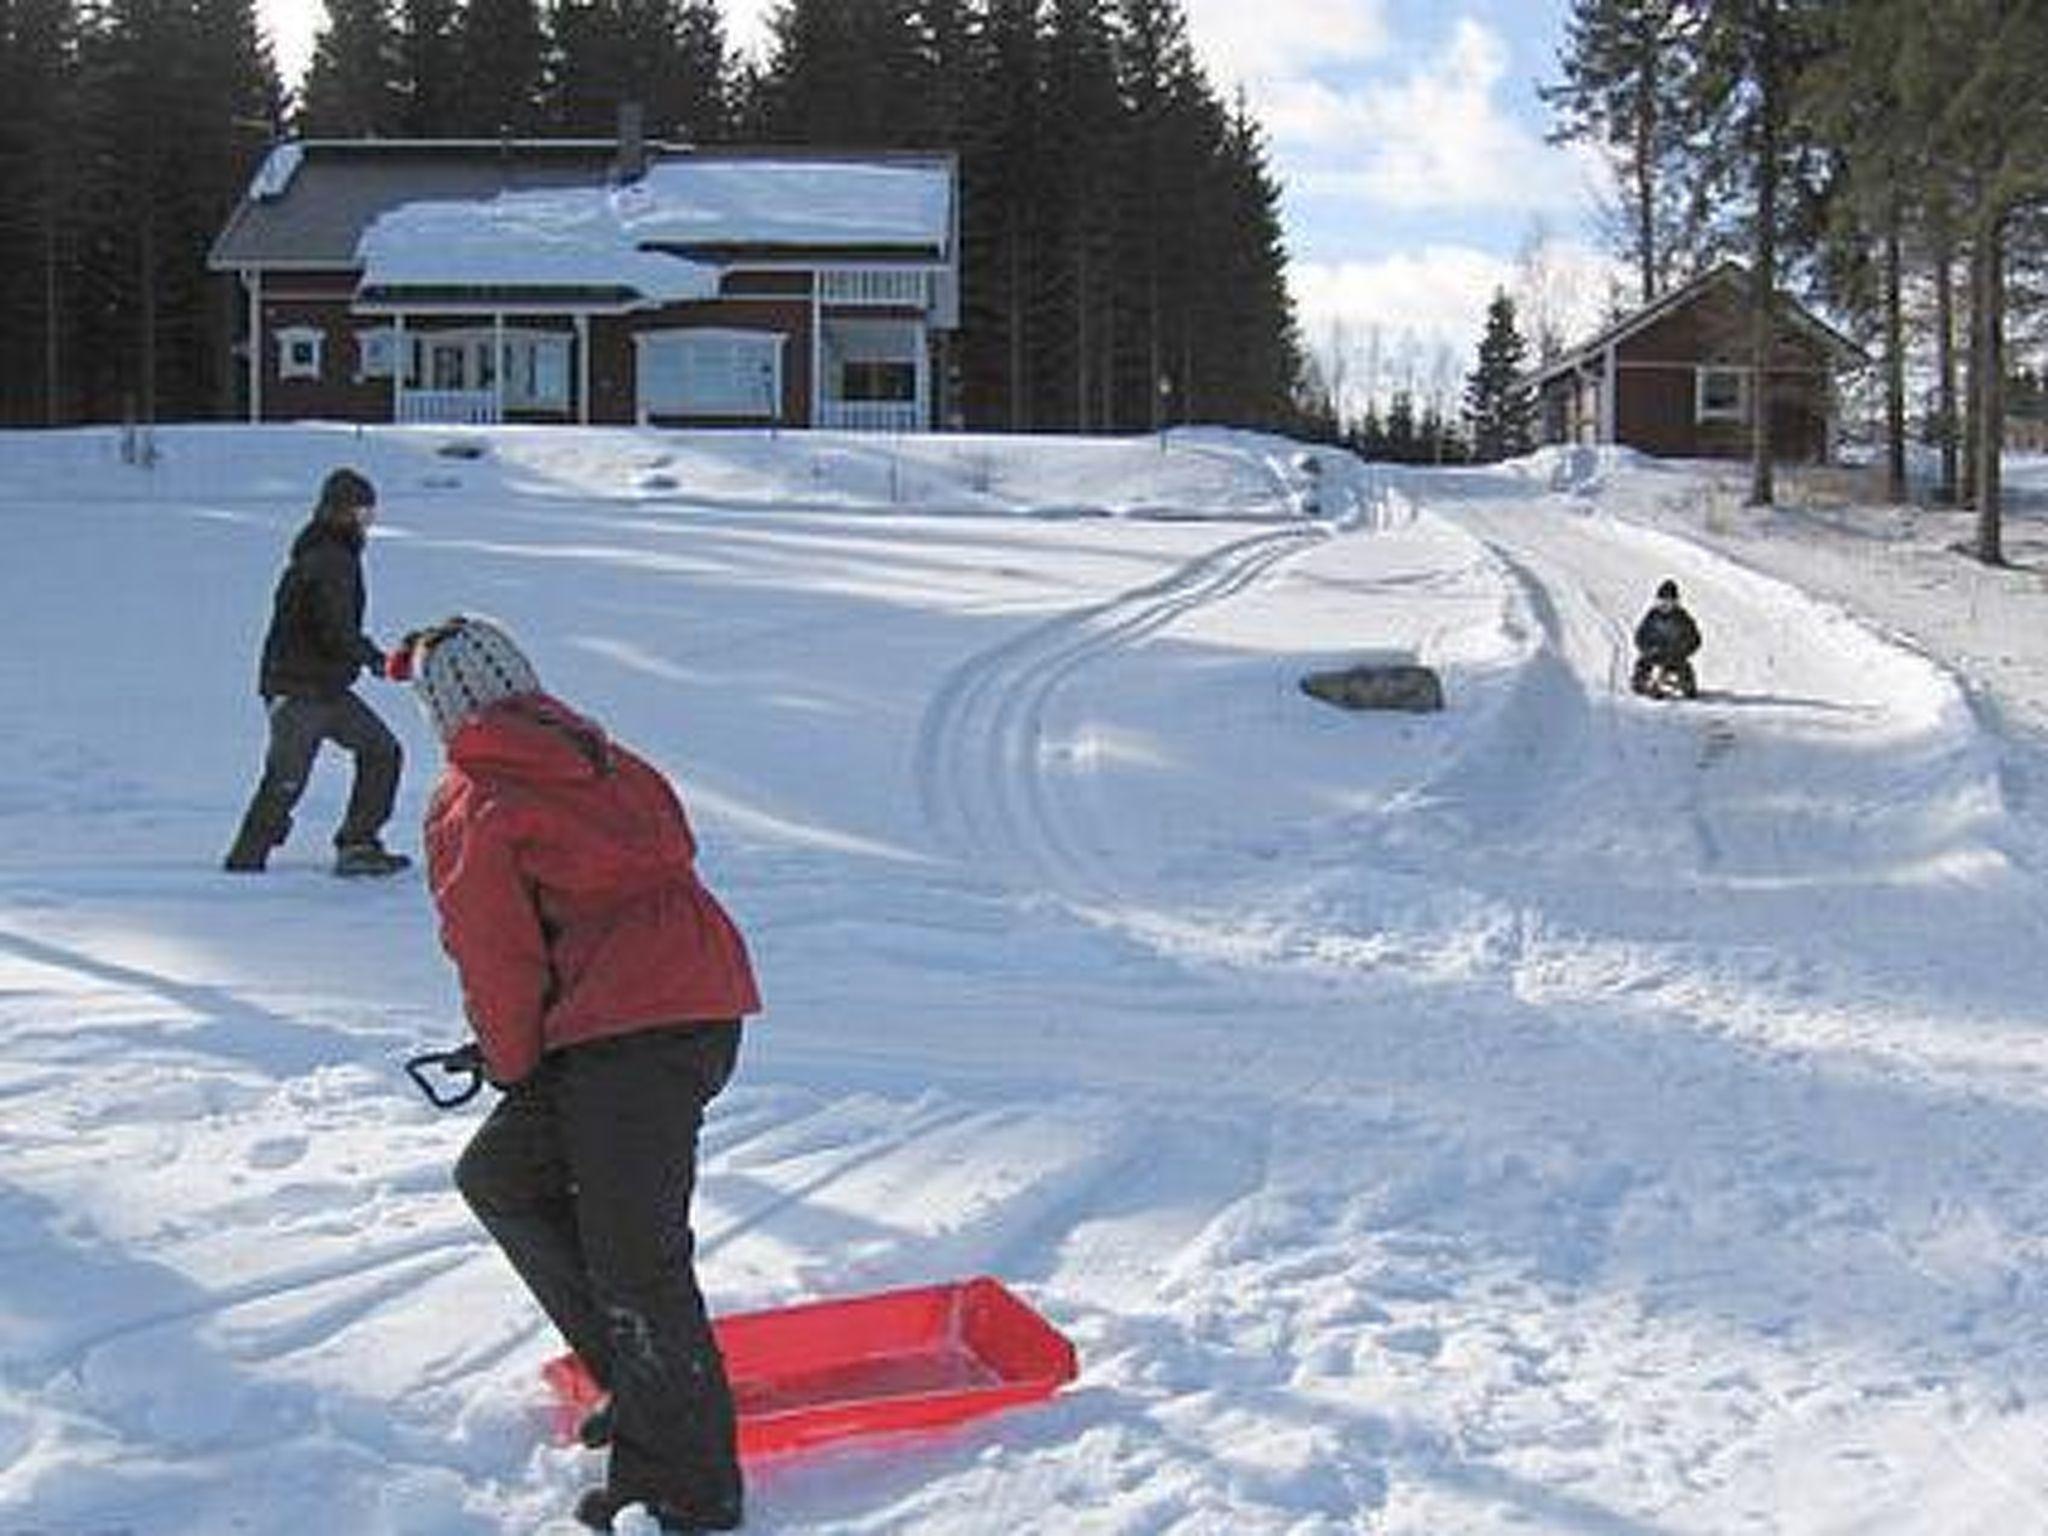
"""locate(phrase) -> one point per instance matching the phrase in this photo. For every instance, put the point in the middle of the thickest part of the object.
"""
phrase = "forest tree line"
(1123, 263)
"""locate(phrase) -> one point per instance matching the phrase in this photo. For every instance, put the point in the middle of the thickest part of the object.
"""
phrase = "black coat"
(316, 645)
(1667, 634)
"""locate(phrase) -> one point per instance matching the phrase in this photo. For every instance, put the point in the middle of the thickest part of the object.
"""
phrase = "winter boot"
(368, 858)
(600, 1506)
(246, 859)
(595, 1432)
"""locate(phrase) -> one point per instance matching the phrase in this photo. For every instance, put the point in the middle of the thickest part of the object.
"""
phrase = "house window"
(376, 353)
(536, 371)
(711, 373)
(299, 349)
(1721, 394)
(894, 381)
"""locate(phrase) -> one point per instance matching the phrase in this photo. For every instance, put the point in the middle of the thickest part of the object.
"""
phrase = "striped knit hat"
(464, 666)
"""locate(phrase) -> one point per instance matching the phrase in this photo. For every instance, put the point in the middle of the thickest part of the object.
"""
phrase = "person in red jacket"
(605, 985)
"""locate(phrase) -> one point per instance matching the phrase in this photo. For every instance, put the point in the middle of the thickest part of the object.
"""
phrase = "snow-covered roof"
(630, 237)
(761, 202)
(313, 204)
(274, 177)
(568, 238)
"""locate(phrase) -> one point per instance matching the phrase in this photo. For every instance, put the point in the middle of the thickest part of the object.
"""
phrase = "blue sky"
(1409, 140)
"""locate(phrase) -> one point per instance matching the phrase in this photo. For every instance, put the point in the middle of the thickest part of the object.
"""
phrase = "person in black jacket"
(1666, 639)
(312, 654)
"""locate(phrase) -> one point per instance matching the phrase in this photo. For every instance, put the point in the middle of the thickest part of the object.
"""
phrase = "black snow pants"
(584, 1175)
(297, 727)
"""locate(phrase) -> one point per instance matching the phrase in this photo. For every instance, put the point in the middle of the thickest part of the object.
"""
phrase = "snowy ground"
(1560, 1114)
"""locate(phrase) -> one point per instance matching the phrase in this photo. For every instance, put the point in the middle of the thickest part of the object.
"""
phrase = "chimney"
(631, 163)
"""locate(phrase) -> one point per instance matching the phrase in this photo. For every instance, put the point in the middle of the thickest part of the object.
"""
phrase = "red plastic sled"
(865, 1365)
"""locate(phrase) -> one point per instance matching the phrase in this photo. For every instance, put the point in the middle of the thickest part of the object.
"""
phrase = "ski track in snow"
(1573, 1114)
(986, 764)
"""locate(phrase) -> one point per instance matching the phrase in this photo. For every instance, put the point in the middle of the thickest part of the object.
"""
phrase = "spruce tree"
(501, 70)
(153, 321)
(843, 73)
(1250, 339)
(698, 107)
(1500, 409)
(1003, 168)
(1075, 312)
(352, 85)
(428, 68)
(39, 76)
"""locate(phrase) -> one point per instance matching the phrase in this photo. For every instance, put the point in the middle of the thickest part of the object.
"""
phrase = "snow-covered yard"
(1563, 1113)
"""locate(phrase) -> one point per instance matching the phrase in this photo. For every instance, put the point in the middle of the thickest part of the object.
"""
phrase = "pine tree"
(1749, 54)
(1990, 135)
(1625, 69)
(1500, 409)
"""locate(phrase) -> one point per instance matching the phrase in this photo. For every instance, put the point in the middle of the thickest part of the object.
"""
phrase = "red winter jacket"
(563, 869)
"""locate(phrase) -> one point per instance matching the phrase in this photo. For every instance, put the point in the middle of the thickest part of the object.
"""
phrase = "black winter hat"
(344, 490)
(1668, 588)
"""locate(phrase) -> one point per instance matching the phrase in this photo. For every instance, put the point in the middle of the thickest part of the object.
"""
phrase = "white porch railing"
(447, 407)
(871, 415)
(860, 285)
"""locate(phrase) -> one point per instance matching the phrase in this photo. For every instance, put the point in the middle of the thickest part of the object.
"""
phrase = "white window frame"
(751, 386)
(1703, 379)
(290, 365)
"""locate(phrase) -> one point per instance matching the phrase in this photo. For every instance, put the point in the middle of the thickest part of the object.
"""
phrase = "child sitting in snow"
(1665, 641)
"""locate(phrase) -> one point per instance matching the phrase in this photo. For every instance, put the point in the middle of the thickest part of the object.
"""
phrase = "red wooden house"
(1677, 378)
(591, 281)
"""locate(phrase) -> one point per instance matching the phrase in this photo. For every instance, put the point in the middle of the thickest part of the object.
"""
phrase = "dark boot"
(598, 1507)
(247, 857)
(370, 858)
(595, 1432)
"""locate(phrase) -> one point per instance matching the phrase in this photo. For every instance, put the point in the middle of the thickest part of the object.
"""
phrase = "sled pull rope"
(464, 1064)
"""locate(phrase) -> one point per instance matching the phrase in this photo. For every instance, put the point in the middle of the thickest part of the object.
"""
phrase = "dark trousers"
(584, 1175)
(297, 727)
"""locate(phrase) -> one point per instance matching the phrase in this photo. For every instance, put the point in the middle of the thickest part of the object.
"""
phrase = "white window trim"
(1702, 411)
(764, 405)
(289, 338)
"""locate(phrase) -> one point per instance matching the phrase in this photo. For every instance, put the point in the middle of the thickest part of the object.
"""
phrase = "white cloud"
(1438, 294)
(1439, 138)
(1413, 320)
(1253, 40)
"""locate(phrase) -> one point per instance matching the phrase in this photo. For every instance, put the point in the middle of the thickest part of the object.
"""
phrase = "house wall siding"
(317, 301)
(614, 355)
(1656, 383)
